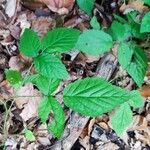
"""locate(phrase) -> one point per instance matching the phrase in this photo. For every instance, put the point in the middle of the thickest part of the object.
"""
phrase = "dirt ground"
(81, 133)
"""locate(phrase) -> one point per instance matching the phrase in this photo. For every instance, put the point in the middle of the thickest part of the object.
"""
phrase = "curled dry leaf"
(28, 98)
(59, 6)
(137, 5)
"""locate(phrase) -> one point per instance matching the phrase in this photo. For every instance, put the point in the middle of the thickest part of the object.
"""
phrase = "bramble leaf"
(145, 25)
(60, 40)
(13, 76)
(86, 5)
(57, 125)
(44, 109)
(93, 96)
(135, 25)
(122, 118)
(138, 64)
(136, 100)
(30, 43)
(50, 104)
(94, 42)
(50, 66)
(46, 85)
(119, 32)
(125, 53)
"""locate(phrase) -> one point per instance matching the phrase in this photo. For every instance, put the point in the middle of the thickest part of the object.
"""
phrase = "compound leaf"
(93, 96)
(50, 66)
(60, 40)
(29, 43)
(122, 118)
(145, 25)
(50, 105)
(86, 5)
(94, 42)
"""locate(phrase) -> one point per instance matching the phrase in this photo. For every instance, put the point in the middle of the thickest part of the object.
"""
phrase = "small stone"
(44, 140)
(137, 145)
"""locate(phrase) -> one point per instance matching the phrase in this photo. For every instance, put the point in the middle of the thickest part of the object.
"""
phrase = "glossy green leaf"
(51, 105)
(50, 66)
(93, 96)
(30, 44)
(60, 40)
(95, 24)
(13, 77)
(86, 5)
(122, 118)
(145, 25)
(138, 64)
(46, 85)
(136, 100)
(94, 42)
(119, 32)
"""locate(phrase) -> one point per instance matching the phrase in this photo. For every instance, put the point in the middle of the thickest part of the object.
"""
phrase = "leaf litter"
(42, 16)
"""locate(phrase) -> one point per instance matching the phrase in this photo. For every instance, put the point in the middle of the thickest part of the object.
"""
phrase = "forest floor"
(80, 132)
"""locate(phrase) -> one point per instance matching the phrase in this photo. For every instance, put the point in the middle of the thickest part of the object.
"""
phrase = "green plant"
(90, 96)
(86, 5)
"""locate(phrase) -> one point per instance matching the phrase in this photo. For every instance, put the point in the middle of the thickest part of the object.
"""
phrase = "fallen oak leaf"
(28, 99)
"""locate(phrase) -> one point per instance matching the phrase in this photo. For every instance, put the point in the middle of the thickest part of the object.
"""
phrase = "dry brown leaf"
(90, 127)
(59, 6)
(103, 125)
(42, 25)
(145, 91)
(91, 59)
(28, 98)
(108, 146)
(32, 4)
(14, 63)
(137, 5)
(5, 90)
